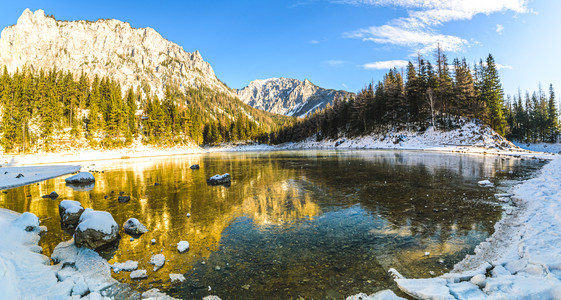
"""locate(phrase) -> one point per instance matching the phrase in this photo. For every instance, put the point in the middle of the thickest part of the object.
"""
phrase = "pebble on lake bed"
(183, 246)
(139, 274)
(176, 277)
(153, 241)
(188, 215)
(158, 261)
(427, 253)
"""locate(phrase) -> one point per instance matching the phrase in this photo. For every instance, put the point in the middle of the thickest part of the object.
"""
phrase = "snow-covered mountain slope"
(133, 56)
(288, 96)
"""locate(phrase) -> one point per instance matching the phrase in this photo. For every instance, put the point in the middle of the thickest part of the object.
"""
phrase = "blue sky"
(340, 44)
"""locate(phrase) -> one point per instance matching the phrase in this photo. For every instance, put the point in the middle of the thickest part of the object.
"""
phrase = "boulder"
(82, 177)
(70, 212)
(219, 180)
(96, 229)
(27, 221)
(53, 195)
(195, 167)
(133, 227)
(182, 246)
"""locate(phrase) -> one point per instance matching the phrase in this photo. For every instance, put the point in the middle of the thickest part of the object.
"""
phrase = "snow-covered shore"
(78, 155)
(521, 260)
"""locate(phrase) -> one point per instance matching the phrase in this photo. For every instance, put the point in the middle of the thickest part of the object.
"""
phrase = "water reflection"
(316, 224)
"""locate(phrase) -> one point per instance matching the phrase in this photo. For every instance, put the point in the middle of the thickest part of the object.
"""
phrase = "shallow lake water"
(311, 224)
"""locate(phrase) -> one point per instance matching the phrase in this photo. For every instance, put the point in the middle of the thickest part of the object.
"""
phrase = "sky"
(340, 44)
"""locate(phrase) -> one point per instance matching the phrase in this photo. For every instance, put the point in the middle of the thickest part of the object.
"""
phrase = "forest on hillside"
(432, 94)
(40, 110)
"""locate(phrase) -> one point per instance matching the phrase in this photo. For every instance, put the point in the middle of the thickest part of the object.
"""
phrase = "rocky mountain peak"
(288, 96)
(136, 57)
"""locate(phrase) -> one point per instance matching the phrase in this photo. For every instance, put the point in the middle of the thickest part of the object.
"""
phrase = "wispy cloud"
(418, 30)
(385, 65)
(500, 28)
(313, 42)
(345, 86)
(334, 63)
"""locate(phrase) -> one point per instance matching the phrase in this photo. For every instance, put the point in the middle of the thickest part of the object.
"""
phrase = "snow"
(182, 246)
(137, 150)
(381, 295)
(485, 183)
(71, 206)
(26, 274)
(82, 177)
(158, 261)
(129, 265)
(97, 220)
(219, 177)
(26, 221)
(32, 174)
(522, 257)
(139, 274)
(176, 277)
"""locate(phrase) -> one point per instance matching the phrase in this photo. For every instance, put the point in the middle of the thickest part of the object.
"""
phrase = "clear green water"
(311, 224)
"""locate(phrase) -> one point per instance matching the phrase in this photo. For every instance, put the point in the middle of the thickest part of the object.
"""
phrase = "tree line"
(428, 94)
(40, 110)
(533, 118)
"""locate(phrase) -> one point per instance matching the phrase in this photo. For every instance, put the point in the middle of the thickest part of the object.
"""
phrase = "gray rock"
(53, 195)
(70, 212)
(195, 167)
(123, 199)
(133, 227)
(219, 180)
(96, 229)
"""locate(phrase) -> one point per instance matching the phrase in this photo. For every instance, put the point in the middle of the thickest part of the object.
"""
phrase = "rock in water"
(96, 229)
(485, 183)
(124, 199)
(158, 261)
(70, 212)
(182, 246)
(195, 167)
(139, 274)
(53, 195)
(134, 227)
(82, 177)
(219, 180)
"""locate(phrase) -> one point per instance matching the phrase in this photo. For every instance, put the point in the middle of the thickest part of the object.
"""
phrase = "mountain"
(135, 57)
(288, 96)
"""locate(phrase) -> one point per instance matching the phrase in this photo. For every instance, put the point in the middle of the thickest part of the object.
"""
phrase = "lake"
(311, 224)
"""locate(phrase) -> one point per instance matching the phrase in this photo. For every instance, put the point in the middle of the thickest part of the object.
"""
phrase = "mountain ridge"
(288, 96)
(136, 57)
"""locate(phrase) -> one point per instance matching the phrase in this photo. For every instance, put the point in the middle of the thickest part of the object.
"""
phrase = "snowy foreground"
(18, 176)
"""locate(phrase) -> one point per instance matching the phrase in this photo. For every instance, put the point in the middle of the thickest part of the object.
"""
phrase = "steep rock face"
(288, 96)
(134, 57)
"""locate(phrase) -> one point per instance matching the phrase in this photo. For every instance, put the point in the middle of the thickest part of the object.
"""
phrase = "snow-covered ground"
(92, 154)
(540, 147)
(27, 274)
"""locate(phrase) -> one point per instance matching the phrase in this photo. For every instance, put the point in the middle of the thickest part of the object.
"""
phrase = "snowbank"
(8, 175)
(540, 147)
(522, 259)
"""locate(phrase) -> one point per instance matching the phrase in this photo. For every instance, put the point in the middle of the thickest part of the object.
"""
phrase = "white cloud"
(500, 28)
(345, 86)
(334, 63)
(314, 42)
(423, 41)
(386, 65)
(499, 66)
(418, 30)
